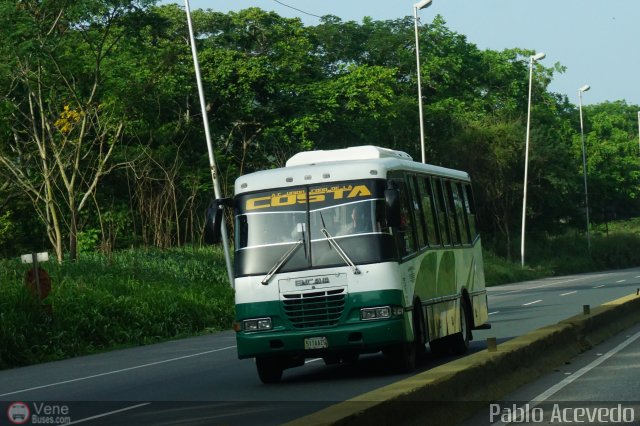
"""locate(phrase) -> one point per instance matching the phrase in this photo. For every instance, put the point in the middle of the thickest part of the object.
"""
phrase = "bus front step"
(485, 326)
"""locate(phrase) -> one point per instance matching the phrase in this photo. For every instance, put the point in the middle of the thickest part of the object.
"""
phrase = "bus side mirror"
(213, 220)
(392, 201)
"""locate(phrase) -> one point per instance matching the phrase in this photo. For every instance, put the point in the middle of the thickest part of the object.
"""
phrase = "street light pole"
(532, 60)
(584, 163)
(205, 120)
(418, 6)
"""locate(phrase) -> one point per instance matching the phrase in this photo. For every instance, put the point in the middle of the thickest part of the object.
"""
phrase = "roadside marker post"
(492, 345)
(35, 258)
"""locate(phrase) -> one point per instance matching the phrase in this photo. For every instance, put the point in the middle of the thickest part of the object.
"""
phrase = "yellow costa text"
(300, 197)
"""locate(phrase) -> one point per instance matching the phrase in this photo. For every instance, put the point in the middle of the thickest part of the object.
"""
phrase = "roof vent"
(367, 152)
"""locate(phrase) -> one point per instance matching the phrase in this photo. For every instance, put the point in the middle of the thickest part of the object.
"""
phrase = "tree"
(62, 128)
(91, 85)
(613, 161)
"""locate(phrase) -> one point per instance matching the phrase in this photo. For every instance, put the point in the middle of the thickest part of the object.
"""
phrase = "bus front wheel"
(269, 369)
(402, 357)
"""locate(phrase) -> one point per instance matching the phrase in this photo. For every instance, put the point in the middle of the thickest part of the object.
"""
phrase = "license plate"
(316, 343)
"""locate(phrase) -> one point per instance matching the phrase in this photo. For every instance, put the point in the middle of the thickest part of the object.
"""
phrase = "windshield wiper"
(281, 262)
(341, 252)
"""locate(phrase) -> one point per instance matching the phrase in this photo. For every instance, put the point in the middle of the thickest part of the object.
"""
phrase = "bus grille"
(314, 309)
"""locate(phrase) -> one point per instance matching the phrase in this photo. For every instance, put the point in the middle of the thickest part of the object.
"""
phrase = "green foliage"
(613, 160)
(616, 244)
(613, 247)
(616, 251)
(562, 254)
(6, 227)
(97, 303)
(498, 270)
(88, 240)
(275, 87)
(22, 322)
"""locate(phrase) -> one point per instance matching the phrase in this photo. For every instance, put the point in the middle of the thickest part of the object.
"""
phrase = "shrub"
(133, 297)
(616, 251)
(501, 271)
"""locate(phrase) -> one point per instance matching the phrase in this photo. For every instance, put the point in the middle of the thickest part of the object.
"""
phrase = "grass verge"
(98, 303)
(569, 254)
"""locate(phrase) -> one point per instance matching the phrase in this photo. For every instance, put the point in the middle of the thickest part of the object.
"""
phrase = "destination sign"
(299, 196)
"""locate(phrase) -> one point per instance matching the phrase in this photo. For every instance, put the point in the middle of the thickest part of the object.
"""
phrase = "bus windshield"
(270, 223)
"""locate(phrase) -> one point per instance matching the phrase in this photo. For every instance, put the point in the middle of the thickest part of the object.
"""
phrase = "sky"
(598, 41)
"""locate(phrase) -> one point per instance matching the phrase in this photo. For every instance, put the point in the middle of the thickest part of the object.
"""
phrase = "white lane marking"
(566, 294)
(570, 379)
(525, 304)
(599, 286)
(547, 285)
(495, 312)
(621, 281)
(584, 370)
(313, 360)
(544, 285)
(97, 416)
(108, 373)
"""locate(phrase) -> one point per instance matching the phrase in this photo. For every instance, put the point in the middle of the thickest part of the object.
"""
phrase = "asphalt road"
(515, 309)
(200, 380)
(600, 386)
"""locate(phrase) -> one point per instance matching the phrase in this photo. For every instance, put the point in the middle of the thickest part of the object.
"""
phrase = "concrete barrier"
(451, 392)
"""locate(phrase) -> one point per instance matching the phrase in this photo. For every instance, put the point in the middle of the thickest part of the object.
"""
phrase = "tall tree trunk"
(73, 232)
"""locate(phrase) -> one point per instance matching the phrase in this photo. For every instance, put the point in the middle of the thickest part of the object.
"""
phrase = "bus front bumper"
(362, 337)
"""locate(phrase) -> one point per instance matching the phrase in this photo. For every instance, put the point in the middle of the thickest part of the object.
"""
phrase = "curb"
(451, 392)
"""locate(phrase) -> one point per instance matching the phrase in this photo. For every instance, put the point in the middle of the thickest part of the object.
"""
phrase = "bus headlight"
(257, 324)
(379, 312)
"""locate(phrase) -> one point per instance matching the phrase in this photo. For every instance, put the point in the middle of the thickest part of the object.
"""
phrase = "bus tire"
(419, 328)
(269, 370)
(402, 357)
(439, 347)
(460, 341)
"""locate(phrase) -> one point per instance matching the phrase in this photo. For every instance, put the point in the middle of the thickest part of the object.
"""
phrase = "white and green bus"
(353, 251)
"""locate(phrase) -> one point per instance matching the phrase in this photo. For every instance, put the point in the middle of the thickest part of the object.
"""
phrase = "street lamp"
(418, 6)
(584, 163)
(535, 58)
(212, 161)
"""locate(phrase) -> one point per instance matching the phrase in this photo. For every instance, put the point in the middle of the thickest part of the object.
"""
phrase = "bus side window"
(453, 219)
(471, 211)
(417, 212)
(441, 208)
(461, 213)
(429, 212)
(406, 243)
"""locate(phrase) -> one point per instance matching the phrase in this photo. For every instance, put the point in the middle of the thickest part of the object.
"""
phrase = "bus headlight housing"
(257, 324)
(380, 312)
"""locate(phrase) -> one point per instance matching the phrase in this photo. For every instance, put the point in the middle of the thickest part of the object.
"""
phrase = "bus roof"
(367, 152)
(362, 162)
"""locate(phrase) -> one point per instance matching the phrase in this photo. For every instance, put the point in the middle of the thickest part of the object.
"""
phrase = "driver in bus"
(360, 221)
